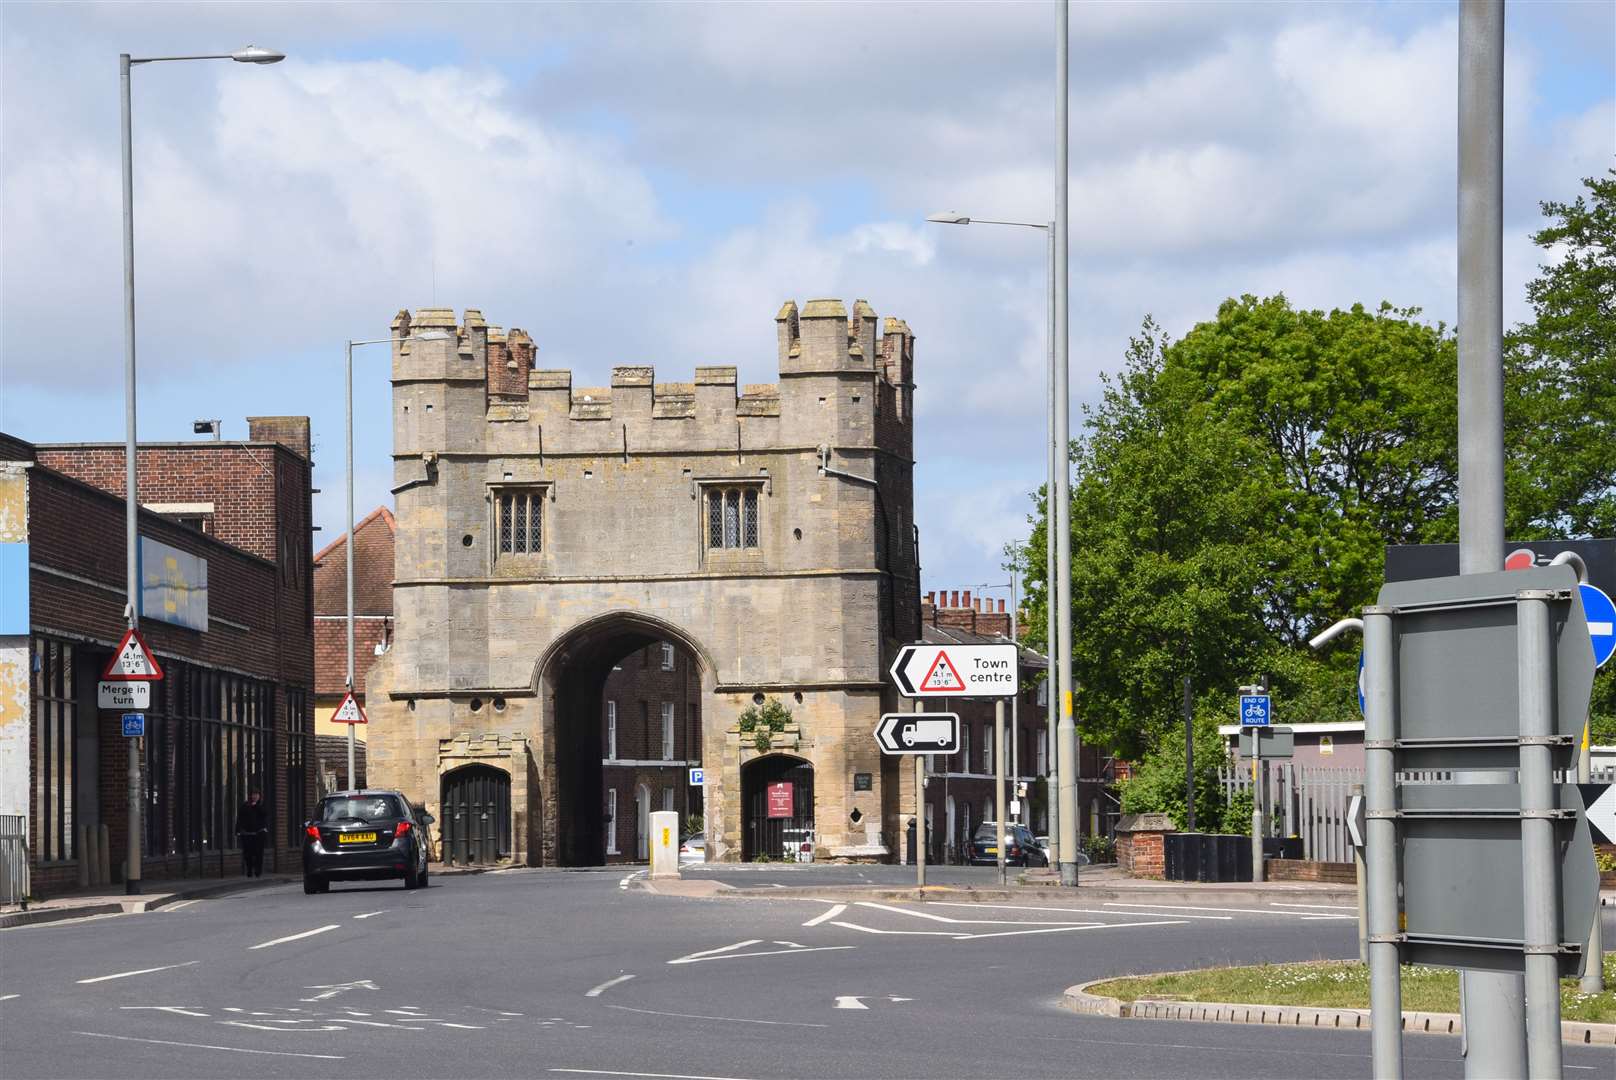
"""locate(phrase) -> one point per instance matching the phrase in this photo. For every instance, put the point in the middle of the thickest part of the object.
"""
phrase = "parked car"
(1021, 848)
(694, 848)
(365, 836)
(1043, 844)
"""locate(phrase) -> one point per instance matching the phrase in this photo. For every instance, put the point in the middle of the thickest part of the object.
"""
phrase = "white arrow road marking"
(373, 914)
(140, 971)
(693, 957)
(827, 915)
(596, 991)
(694, 1016)
(851, 1002)
(205, 1046)
(333, 989)
(292, 937)
(726, 954)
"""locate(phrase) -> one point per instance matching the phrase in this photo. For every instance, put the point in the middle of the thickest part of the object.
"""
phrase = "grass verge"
(1339, 984)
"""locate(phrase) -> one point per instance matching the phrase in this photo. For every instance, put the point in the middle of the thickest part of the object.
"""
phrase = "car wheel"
(412, 880)
(423, 877)
(311, 884)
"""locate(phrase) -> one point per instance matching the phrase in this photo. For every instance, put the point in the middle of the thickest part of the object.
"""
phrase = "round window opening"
(499, 704)
(476, 704)
(796, 534)
(757, 699)
(466, 541)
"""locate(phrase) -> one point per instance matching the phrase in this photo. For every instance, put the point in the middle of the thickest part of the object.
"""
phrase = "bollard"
(664, 844)
(103, 857)
(83, 853)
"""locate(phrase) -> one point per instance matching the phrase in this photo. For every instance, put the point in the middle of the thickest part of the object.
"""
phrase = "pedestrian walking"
(252, 828)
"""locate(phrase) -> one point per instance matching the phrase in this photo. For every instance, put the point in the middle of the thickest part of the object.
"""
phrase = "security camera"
(205, 427)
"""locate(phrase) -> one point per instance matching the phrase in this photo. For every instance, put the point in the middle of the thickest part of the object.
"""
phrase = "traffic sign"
(1360, 685)
(1356, 819)
(132, 661)
(134, 725)
(918, 733)
(1274, 742)
(1599, 803)
(698, 777)
(119, 696)
(1601, 615)
(956, 671)
(1255, 710)
(349, 711)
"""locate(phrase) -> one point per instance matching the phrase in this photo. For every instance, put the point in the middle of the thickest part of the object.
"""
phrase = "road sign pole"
(131, 489)
(1189, 755)
(1256, 805)
(998, 782)
(1070, 751)
(1362, 882)
(1540, 882)
(1380, 857)
(349, 557)
(1051, 697)
(920, 821)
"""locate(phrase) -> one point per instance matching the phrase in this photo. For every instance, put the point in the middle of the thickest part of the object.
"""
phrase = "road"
(554, 974)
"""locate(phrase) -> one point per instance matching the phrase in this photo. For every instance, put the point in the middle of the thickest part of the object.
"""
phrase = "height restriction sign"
(132, 661)
(956, 671)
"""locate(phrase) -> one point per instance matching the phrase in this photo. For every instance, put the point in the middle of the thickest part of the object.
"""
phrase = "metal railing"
(1308, 801)
(13, 858)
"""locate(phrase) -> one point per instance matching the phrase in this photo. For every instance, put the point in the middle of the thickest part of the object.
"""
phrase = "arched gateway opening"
(623, 729)
(777, 796)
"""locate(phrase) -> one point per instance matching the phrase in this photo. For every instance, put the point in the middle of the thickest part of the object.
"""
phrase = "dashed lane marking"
(725, 1019)
(658, 1076)
(207, 1046)
(8, 997)
(139, 971)
(1073, 910)
(373, 914)
(177, 1009)
(292, 937)
(596, 991)
(826, 915)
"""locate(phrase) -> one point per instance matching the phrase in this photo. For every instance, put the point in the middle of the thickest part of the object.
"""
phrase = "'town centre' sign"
(922, 671)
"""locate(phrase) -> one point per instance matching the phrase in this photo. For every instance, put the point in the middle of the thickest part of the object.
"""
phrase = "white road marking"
(373, 914)
(905, 933)
(658, 1076)
(1323, 907)
(445, 1023)
(1236, 910)
(724, 949)
(831, 914)
(848, 1001)
(596, 991)
(205, 1046)
(694, 1016)
(333, 989)
(791, 944)
(725, 954)
(282, 1030)
(163, 1008)
(141, 971)
(982, 922)
(8, 997)
(1073, 910)
(182, 904)
(292, 937)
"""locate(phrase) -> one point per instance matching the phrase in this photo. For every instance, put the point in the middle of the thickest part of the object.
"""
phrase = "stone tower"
(545, 531)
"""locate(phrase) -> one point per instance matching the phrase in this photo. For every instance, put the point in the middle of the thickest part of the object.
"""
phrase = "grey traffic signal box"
(1456, 670)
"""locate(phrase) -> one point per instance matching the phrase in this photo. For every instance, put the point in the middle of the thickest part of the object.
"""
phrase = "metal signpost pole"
(1051, 714)
(1015, 702)
(920, 821)
(1540, 882)
(1189, 755)
(348, 545)
(998, 782)
(1380, 775)
(1069, 750)
(1494, 1002)
(131, 493)
(1256, 805)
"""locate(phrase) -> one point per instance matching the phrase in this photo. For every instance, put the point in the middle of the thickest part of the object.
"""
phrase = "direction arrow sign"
(918, 733)
(1600, 803)
(1356, 819)
(122, 696)
(132, 661)
(349, 711)
(1601, 621)
(956, 671)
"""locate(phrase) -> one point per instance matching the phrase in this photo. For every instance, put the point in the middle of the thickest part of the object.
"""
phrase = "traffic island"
(1321, 994)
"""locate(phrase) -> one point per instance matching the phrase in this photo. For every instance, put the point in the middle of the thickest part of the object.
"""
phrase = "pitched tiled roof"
(373, 569)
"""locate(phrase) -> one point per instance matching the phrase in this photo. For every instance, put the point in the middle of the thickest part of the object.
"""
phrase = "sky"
(647, 183)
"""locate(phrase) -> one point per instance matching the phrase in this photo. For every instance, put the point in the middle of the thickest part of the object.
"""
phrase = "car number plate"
(991, 850)
(357, 838)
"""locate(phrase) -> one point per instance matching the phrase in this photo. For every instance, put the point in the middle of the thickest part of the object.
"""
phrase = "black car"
(1021, 847)
(365, 836)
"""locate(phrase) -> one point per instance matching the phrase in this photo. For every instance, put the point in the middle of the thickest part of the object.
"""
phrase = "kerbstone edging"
(1078, 999)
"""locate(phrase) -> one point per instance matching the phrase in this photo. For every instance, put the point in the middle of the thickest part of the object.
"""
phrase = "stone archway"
(603, 767)
(763, 834)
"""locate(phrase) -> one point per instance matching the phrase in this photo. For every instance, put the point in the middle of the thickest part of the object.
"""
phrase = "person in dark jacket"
(252, 827)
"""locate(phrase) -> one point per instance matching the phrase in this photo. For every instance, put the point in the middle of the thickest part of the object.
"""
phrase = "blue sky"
(647, 183)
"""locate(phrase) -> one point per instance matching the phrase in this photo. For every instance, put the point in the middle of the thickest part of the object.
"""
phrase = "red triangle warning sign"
(349, 711)
(132, 661)
(943, 677)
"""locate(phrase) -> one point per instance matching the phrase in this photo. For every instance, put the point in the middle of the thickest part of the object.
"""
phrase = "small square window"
(519, 514)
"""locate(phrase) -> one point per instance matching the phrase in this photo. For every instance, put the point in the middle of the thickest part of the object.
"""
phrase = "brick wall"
(1141, 854)
(1309, 870)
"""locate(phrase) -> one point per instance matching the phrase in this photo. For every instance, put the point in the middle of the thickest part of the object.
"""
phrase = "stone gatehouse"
(546, 531)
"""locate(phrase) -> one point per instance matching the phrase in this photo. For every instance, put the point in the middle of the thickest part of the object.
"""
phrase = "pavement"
(523, 973)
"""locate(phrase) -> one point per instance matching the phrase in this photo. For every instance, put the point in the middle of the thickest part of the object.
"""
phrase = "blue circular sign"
(1601, 621)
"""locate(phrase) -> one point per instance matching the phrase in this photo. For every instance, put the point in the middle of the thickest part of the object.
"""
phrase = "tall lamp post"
(252, 54)
(1056, 457)
(348, 544)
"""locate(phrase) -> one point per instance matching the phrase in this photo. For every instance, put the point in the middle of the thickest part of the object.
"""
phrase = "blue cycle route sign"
(134, 725)
(1255, 710)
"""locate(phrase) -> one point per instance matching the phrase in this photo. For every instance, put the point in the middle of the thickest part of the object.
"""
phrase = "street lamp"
(1056, 463)
(252, 54)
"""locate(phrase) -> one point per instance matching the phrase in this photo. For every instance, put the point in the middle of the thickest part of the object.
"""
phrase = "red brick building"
(227, 607)
(373, 616)
(960, 792)
(650, 739)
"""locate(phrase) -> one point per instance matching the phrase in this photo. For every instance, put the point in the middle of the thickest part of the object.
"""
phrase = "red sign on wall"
(780, 800)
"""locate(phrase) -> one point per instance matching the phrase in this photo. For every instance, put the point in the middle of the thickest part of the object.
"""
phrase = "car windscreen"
(986, 831)
(362, 808)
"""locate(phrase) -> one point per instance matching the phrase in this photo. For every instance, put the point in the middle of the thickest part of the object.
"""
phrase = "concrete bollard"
(664, 844)
(103, 846)
(84, 856)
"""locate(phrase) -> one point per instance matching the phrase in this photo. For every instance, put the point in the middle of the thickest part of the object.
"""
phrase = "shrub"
(762, 722)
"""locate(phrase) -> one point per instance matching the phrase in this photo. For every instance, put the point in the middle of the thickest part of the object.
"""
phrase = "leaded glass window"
(732, 518)
(521, 521)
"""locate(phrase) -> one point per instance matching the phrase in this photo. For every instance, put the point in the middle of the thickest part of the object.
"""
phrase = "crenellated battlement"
(825, 357)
